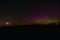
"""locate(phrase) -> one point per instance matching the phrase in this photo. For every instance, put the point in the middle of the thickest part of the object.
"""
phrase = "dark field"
(29, 32)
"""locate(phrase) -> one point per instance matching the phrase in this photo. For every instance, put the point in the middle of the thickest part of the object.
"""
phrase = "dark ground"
(30, 32)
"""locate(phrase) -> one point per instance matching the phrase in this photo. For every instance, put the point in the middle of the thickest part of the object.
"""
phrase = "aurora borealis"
(29, 12)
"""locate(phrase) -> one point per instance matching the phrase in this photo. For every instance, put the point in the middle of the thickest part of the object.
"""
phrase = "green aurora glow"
(48, 21)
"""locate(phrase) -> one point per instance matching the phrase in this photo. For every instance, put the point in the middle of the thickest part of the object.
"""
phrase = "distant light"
(56, 23)
(7, 23)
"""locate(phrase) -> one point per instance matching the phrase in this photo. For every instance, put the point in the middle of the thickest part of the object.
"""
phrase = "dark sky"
(26, 9)
(14, 9)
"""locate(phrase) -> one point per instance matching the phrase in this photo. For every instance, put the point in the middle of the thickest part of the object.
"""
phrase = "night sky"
(28, 11)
